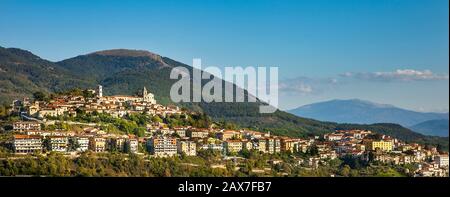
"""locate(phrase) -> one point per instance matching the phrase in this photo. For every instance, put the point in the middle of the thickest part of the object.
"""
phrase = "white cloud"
(298, 87)
(398, 75)
(305, 85)
(333, 81)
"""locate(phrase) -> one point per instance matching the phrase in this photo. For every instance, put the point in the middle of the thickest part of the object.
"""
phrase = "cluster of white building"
(386, 149)
(162, 141)
(65, 144)
(117, 105)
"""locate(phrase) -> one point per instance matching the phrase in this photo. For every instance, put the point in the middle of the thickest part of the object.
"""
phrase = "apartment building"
(180, 132)
(116, 144)
(228, 135)
(441, 160)
(82, 143)
(26, 126)
(213, 147)
(334, 136)
(187, 147)
(27, 143)
(288, 144)
(57, 143)
(379, 145)
(273, 145)
(247, 145)
(233, 146)
(197, 133)
(162, 146)
(260, 145)
(97, 144)
(131, 145)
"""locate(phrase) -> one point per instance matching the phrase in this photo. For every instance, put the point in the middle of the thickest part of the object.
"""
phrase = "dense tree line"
(117, 164)
(110, 164)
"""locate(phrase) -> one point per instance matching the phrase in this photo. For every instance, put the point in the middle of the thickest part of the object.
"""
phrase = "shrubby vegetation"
(117, 164)
(130, 124)
(4, 111)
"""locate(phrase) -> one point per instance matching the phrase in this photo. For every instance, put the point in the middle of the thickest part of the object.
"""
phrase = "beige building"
(132, 145)
(273, 145)
(180, 132)
(33, 109)
(187, 147)
(233, 146)
(82, 143)
(47, 112)
(261, 145)
(229, 134)
(162, 146)
(288, 144)
(26, 126)
(97, 144)
(197, 134)
(117, 144)
(441, 160)
(143, 96)
(379, 145)
(148, 97)
(247, 145)
(57, 143)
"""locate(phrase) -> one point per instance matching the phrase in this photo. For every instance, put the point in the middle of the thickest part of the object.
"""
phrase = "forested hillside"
(127, 71)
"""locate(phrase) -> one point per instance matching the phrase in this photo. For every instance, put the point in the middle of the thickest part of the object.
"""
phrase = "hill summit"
(130, 53)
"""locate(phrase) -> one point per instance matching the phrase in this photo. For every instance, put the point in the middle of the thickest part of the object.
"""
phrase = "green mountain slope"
(127, 71)
(22, 73)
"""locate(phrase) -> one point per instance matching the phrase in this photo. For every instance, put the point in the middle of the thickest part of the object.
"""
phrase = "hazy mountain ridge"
(364, 112)
(438, 127)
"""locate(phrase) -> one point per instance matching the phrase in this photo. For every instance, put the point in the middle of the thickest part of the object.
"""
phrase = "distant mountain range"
(432, 127)
(366, 112)
(123, 71)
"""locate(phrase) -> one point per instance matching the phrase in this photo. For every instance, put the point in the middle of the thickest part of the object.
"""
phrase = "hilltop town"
(77, 122)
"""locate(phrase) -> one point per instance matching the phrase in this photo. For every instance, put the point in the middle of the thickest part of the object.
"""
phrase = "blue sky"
(393, 52)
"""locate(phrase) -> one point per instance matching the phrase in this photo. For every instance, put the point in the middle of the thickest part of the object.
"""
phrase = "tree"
(140, 131)
(88, 94)
(353, 162)
(313, 151)
(4, 110)
(245, 153)
(156, 118)
(230, 125)
(40, 96)
(73, 144)
(345, 170)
